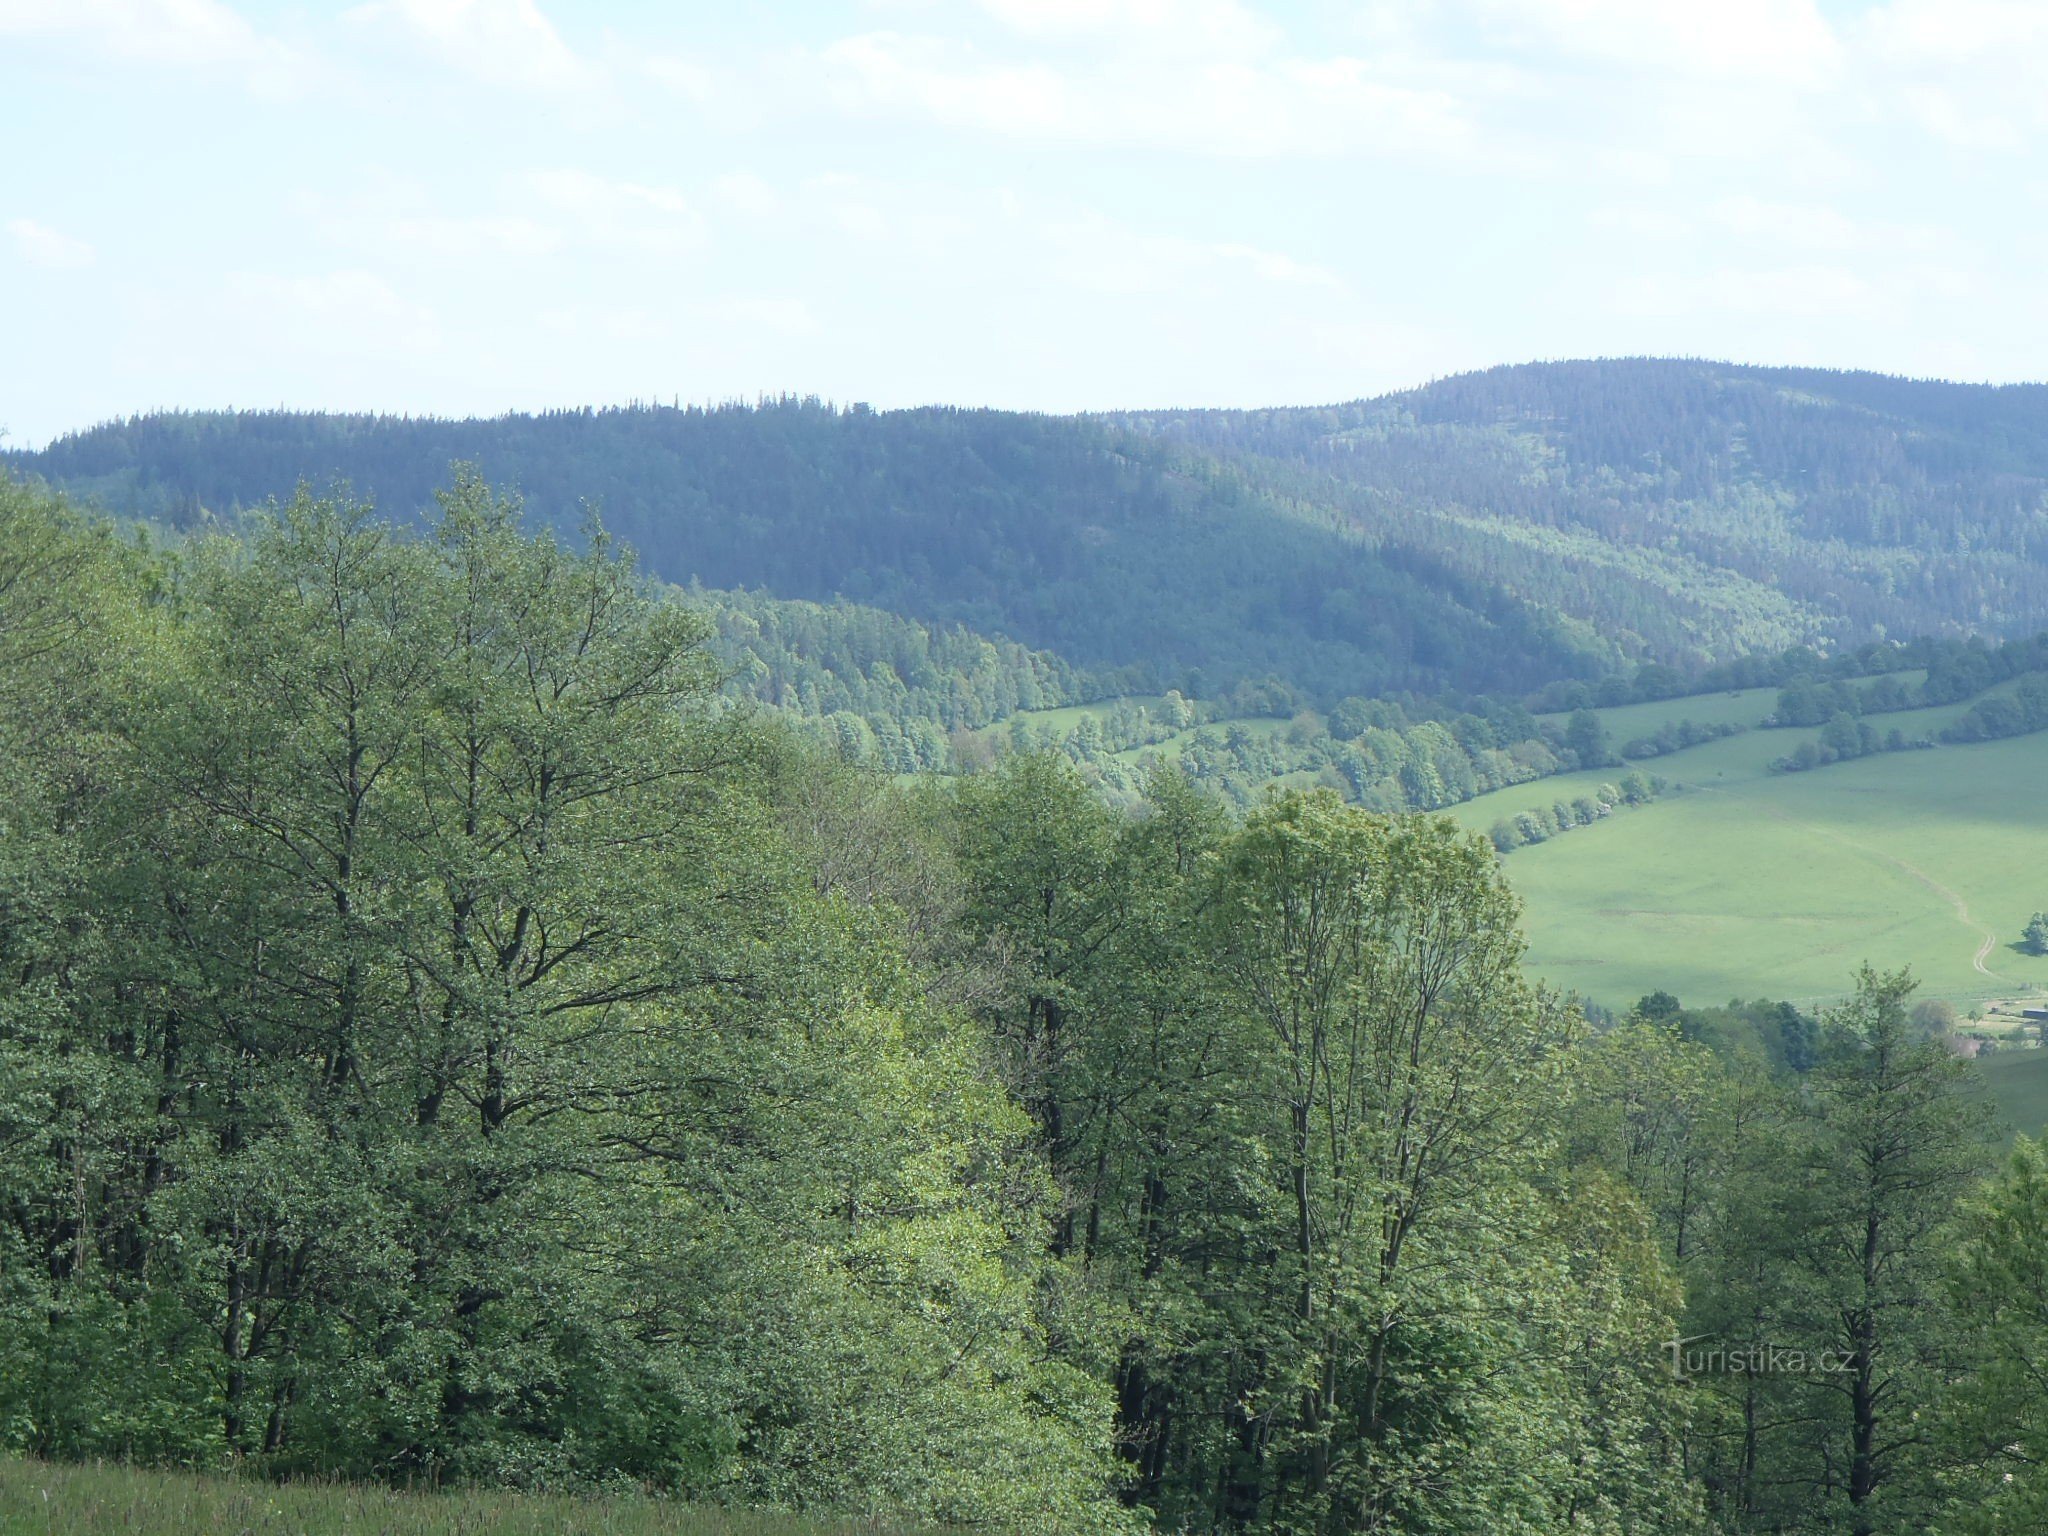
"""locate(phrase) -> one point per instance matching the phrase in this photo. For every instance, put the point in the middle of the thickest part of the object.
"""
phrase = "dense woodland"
(447, 1036)
(1487, 534)
(1060, 534)
(880, 688)
(1693, 506)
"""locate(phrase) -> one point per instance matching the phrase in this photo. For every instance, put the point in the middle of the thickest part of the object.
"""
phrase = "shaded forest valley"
(456, 1033)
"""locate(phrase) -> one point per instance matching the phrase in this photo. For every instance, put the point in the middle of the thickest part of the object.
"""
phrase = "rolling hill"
(1694, 504)
(1486, 533)
(1064, 535)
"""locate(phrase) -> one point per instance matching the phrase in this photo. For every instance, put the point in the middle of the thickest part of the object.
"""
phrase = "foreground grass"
(40, 1499)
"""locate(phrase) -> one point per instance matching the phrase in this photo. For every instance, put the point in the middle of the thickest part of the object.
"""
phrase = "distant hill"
(1062, 534)
(1484, 533)
(1691, 505)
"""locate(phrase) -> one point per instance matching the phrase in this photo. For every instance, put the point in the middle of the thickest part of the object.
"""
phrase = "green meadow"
(1627, 721)
(1741, 881)
(2017, 1083)
(1067, 716)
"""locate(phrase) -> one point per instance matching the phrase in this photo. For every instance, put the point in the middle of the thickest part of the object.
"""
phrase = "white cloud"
(1277, 267)
(598, 210)
(781, 316)
(747, 192)
(42, 246)
(734, 93)
(688, 78)
(1798, 292)
(739, 321)
(1957, 31)
(352, 293)
(1964, 119)
(1319, 107)
(555, 214)
(605, 323)
(161, 31)
(861, 220)
(347, 312)
(468, 237)
(1782, 41)
(937, 229)
(1770, 84)
(579, 191)
(1645, 223)
(501, 42)
(1101, 255)
(1171, 26)
(885, 70)
(1639, 167)
(1774, 226)
(1709, 176)
(201, 34)
(1789, 224)
(1968, 72)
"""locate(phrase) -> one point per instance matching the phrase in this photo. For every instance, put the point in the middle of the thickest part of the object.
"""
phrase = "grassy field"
(1628, 721)
(47, 1500)
(1745, 706)
(1067, 716)
(2018, 1084)
(1716, 764)
(1740, 881)
(1169, 750)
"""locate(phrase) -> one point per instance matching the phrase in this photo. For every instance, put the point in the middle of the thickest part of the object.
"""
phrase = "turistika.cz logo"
(1752, 1359)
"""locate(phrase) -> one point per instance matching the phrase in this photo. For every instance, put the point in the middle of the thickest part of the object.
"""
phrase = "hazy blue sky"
(474, 205)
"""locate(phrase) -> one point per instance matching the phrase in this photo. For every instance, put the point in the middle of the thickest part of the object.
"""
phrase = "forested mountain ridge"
(1062, 534)
(1485, 533)
(1674, 498)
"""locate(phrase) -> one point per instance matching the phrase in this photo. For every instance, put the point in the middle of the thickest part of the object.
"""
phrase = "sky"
(472, 206)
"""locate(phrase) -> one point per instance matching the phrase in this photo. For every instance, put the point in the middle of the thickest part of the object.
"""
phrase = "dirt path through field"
(1953, 898)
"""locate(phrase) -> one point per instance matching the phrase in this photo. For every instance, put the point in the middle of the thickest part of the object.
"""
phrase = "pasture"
(2017, 1083)
(1744, 882)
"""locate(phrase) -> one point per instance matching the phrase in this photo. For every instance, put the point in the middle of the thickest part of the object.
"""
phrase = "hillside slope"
(1483, 533)
(1691, 505)
(1059, 533)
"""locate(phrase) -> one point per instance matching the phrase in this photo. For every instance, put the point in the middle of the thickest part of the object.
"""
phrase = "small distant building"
(1965, 1046)
(2035, 1015)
